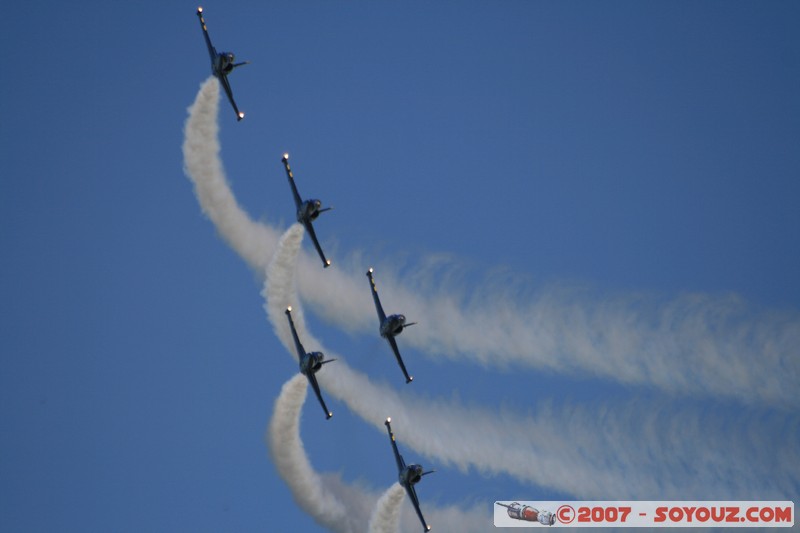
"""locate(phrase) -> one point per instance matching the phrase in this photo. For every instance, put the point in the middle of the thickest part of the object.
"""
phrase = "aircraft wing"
(401, 464)
(301, 352)
(412, 493)
(312, 379)
(227, 86)
(396, 351)
(212, 52)
(378, 306)
(311, 233)
(295, 194)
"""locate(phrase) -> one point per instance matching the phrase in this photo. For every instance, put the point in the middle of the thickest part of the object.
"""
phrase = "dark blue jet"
(222, 64)
(310, 363)
(307, 211)
(408, 476)
(390, 326)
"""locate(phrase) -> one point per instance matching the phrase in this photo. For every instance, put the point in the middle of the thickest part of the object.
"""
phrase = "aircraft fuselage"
(311, 363)
(410, 475)
(309, 210)
(223, 64)
(393, 325)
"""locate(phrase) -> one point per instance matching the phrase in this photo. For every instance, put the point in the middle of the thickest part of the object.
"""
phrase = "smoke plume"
(386, 516)
(692, 344)
(628, 449)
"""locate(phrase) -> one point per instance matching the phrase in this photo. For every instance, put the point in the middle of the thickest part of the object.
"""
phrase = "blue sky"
(622, 158)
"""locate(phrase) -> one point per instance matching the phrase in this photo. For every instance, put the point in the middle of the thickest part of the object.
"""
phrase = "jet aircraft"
(222, 64)
(408, 476)
(307, 211)
(310, 363)
(390, 326)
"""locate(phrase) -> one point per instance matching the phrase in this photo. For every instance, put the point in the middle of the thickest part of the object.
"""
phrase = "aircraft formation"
(307, 211)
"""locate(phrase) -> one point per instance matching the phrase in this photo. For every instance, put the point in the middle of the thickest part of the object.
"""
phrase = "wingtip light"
(370, 270)
(289, 308)
(285, 157)
(199, 9)
(241, 115)
(388, 419)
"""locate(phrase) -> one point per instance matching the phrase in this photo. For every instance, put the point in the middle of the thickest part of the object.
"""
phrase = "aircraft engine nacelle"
(530, 514)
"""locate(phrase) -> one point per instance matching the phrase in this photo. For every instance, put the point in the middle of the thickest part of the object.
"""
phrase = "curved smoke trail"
(681, 454)
(331, 503)
(254, 242)
(584, 451)
(695, 344)
(320, 496)
(289, 456)
(386, 517)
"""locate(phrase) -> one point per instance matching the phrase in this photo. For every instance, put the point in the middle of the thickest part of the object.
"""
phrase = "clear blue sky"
(633, 149)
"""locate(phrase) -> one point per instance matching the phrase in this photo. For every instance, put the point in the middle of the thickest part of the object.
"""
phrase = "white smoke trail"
(330, 502)
(316, 494)
(254, 242)
(284, 437)
(694, 343)
(386, 517)
(289, 456)
(633, 450)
